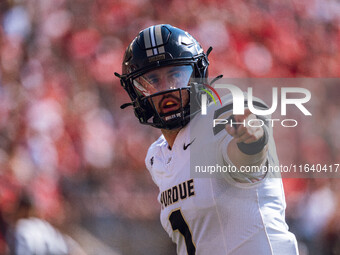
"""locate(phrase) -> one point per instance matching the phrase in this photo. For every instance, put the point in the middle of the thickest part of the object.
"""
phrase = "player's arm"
(249, 144)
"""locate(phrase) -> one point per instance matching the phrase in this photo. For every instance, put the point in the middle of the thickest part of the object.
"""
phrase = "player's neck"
(170, 136)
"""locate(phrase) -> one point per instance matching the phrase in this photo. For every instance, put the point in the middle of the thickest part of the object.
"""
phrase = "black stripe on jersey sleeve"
(229, 107)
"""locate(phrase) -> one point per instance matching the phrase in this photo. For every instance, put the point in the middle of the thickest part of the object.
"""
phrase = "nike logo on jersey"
(186, 146)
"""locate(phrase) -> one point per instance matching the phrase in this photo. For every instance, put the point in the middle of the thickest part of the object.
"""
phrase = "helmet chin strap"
(209, 50)
(123, 106)
(216, 79)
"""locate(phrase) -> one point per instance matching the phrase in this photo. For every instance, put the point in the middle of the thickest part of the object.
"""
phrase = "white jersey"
(217, 215)
(38, 237)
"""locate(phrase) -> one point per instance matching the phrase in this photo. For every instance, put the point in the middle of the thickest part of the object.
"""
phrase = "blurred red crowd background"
(64, 140)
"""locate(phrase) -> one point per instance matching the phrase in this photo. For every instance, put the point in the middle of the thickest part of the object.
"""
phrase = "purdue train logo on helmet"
(164, 52)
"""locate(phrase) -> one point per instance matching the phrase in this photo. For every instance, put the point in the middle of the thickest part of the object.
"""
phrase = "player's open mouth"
(169, 104)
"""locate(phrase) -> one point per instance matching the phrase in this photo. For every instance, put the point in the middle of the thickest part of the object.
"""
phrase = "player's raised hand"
(241, 131)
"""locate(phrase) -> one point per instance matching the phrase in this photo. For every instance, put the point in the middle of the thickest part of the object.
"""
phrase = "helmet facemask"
(165, 92)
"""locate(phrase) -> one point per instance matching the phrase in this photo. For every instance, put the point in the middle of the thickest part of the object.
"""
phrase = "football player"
(164, 69)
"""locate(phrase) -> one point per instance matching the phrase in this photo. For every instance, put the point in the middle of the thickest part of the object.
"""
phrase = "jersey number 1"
(178, 223)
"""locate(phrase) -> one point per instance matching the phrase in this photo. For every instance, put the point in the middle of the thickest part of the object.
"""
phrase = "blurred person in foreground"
(164, 71)
(31, 235)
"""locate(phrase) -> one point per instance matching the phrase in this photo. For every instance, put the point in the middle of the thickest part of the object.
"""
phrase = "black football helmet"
(159, 47)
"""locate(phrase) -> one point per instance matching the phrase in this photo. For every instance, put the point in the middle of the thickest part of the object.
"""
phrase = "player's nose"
(163, 84)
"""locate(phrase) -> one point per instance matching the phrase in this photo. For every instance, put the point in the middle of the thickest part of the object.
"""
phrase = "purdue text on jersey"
(178, 192)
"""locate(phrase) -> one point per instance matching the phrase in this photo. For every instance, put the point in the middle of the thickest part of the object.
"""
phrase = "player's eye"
(175, 76)
(153, 80)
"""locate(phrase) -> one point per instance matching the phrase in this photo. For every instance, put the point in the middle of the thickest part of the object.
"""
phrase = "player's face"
(165, 78)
